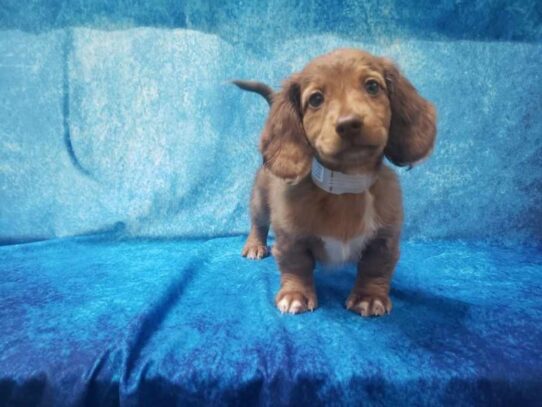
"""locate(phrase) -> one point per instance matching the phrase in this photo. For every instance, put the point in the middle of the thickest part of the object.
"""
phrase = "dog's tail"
(256, 87)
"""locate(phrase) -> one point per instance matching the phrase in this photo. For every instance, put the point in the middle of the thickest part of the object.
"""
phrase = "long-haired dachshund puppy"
(323, 186)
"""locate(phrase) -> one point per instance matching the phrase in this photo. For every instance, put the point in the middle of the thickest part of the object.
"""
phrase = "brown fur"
(396, 122)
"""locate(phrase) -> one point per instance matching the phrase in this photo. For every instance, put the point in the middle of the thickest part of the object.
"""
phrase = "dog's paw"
(369, 305)
(296, 302)
(255, 251)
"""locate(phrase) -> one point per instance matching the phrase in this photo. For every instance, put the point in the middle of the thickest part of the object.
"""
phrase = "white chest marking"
(339, 251)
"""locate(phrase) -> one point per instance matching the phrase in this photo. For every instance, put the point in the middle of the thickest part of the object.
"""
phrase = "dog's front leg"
(370, 295)
(297, 292)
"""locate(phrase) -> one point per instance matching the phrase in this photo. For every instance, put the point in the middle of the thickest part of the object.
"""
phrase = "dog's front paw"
(255, 251)
(369, 305)
(296, 302)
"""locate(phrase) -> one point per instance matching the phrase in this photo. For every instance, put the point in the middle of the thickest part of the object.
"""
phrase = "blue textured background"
(163, 146)
(117, 119)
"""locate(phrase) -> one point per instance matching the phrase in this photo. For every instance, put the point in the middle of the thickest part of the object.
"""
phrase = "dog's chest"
(339, 252)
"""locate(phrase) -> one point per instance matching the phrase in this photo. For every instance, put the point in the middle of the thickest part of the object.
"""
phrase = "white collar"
(338, 183)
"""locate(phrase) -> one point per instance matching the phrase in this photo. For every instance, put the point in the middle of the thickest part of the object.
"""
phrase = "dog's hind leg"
(256, 245)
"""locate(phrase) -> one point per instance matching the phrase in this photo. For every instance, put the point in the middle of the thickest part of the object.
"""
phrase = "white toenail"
(364, 307)
(283, 305)
(295, 306)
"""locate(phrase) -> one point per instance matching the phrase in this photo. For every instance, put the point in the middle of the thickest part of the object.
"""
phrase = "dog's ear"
(284, 146)
(412, 129)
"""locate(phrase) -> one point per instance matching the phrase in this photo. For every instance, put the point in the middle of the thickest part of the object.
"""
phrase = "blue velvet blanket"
(126, 161)
(95, 321)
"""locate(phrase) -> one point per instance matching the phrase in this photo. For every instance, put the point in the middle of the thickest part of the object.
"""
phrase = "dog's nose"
(348, 126)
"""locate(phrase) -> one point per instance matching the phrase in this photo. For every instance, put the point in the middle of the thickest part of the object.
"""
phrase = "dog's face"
(348, 108)
(345, 108)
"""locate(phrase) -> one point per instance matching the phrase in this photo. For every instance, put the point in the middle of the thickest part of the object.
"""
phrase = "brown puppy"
(324, 187)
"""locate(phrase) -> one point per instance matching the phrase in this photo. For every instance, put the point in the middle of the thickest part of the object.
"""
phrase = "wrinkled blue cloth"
(95, 321)
(123, 143)
(106, 124)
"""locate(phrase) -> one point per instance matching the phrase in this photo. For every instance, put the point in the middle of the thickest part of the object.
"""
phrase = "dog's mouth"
(360, 155)
(363, 147)
(361, 142)
(353, 152)
(356, 152)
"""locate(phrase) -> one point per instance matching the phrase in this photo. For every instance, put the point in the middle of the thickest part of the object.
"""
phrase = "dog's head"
(348, 108)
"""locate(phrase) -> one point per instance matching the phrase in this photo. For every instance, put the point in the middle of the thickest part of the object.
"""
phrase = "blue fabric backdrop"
(114, 118)
(117, 121)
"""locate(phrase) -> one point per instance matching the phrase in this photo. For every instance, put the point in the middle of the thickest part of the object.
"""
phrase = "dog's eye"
(372, 87)
(316, 99)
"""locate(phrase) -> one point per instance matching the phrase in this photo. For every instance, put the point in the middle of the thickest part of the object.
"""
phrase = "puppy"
(324, 187)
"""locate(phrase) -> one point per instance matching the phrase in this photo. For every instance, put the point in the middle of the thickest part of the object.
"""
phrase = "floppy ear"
(284, 146)
(412, 129)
